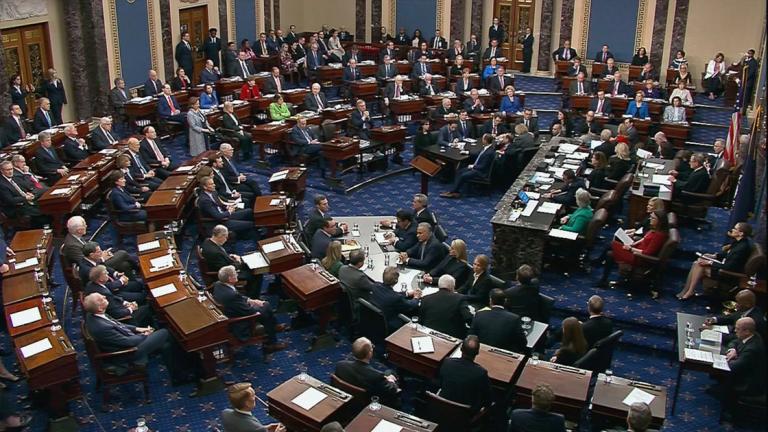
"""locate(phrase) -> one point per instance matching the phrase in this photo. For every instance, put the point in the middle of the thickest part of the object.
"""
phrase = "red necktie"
(397, 91)
(170, 104)
(34, 180)
(600, 106)
(604, 57)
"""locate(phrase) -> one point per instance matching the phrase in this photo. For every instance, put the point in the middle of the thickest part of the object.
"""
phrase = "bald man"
(745, 308)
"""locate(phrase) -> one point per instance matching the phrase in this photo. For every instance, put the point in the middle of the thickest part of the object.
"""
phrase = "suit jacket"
(477, 292)
(351, 75)
(472, 48)
(13, 129)
(138, 164)
(101, 139)
(560, 54)
(118, 98)
(19, 97)
(236, 421)
(315, 221)
(320, 242)
(389, 91)
(364, 375)
(596, 328)
(357, 282)
(234, 68)
(697, 182)
(523, 300)
(424, 215)
(460, 270)
(47, 161)
(55, 93)
(425, 256)
(115, 307)
(150, 89)
(211, 48)
(73, 152)
(494, 85)
(11, 199)
(315, 59)
(420, 70)
(181, 84)
(402, 39)
(497, 53)
(209, 76)
(568, 196)
(465, 382)
(359, 126)
(72, 249)
(148, 155)
(111, 336)
(25, 181)
(499, 328)
(211, 206)
(392, 304)
(215, 256)
(310, 101)
(235, 305)
(406, 238)
(609, 71)
(637, 111)
(586, 88)
(183, 56)
(755, 313)
(501, 128)
(428, 89)
(163, 109)
(573, 70)
(40, 123)
(445, 311)
(623, 89)
(270, 84)
(735, 258)
(349, 55)
(484, 161)
(467, 130)
(441, 43)
(462, 88)
(608, 148)
(299, 138)
(533, 125)
(747, 377)
(386, 71)
(122, 201)
(535, 420)
(606, 108)
(599, 56)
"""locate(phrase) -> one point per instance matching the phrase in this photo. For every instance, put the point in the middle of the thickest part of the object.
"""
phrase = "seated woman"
(599, 172)
(640, 58)
(578, 220)
(684, 76)
(424, 138)
(619, 163)
(654, 204)
(417, 39)
(278, 110)
(125, 205)
(650, 91)
(679, 60)
(510, 105)
(650, 244)
(713, 76)
(490, 69)
(733, 257)
(683, 93)
(209, 98)
(454, 264)
(564, 122)
(335, 50)
(245, 47)
(181, 81)
(333, 258)
(573, 345)
(287, 64)
(250, 90)
(638, 108)
(458, 66)
(675, 113)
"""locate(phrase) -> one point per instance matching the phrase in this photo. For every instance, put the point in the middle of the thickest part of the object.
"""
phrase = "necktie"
(128, 174)
(109, 136)
(423, 247)
(306, 135)
(616, 89)
(314, 56)
(493, 52)
(47, 118)
(139, 163)
(463, 129)
(218, 173)
(234, 168)
(527, 125)
(436, 42)
(605, 57)
(397, 91)
(581, 87)
(33, 178)
(154, 84)
(21, 128)
(501, 83)
(18, 189)
(600, 106)
(170, 104)
(263, 48)
(386, 67)
(494, 130)
(423, 69)
(483, 150)
(277, 84)
(319, 102)
(158, 153)
(244, 67)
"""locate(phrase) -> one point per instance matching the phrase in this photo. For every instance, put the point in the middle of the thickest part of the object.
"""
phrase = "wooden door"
(515, 15)
(195, 21)
(28, 53)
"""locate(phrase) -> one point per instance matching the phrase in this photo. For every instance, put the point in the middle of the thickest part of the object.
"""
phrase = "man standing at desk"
(359, 372)
(746, 358)
(464, 381)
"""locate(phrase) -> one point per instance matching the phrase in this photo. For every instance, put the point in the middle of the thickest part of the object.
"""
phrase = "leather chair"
(604, 355)
(485, 183)
(727, 283)
(453, 416)
(694, 206)
(258, 335)
(124, 228)
(108, 375)
(360, 396)
(649, 270)
(209, 277)
(71, 278)
(372, 322)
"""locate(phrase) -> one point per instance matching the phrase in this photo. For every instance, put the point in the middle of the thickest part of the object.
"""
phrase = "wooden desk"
(607, 400)
(294, 96)
(23, 287)
(389, 134)
(182, 292)
(163, 238)
(678, 133)
(268, 134)
(294, 184)
(581, 102)
(329, 73)
(368, 419)
(268, 215)
(46, 310)
(298, 419)
(426, 365)
(336, 115)
(178, 182)
(338, 150)
(561, 67)
(412, 107)
(289, 256)
(164, 206)
(90, 183)
(145, 265)
(32, 240)
(99, 162)
(569, 384)
(364, 89)
(503, 366)
(60, 205)
(314, 290)
(22, 257)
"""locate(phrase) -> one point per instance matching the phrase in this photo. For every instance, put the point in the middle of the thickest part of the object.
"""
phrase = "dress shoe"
(271, 348)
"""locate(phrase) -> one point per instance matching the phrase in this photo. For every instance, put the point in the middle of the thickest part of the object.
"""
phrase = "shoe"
(275, 347)
(11, 378)
(282, 328)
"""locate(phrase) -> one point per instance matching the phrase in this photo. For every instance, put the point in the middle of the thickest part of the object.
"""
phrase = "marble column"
(360, 20)
(678, 28)
(457, 21)
(545, 34)
(267, 15)
(5, 96)
(276, 14)
(80, 94)
(477, 21)
(98, 67)
(167, 39)
(376, 20)
(566, 21)
(659, 30)
(223, 23)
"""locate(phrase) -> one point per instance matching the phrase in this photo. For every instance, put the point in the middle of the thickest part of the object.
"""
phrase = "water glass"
(414, 322)
(303, 373)
(141, 425)
(608, 376)
(526, 324)
(535, 358)
(375, 405)
(55, 325)
(403, 287)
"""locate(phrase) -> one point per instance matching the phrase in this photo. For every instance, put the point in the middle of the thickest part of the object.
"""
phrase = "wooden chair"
(453, 416)
(108, 375)
(258, 333)
(209, 277)
(372, 322)
(124, 228)
(649, 270)
(71, 278)
(485, 183)
(360, 396)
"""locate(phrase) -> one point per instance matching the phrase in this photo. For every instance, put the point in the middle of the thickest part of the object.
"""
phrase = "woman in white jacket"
(713, 82)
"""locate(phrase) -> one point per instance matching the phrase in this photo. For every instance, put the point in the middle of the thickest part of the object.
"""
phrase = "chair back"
(346, 315)
(624, 183)
(71, 278)
(607, 201)
(372, 322)
(451, 416)
(672, 219)
(756, 261)
(599, 218)
(209, 277)
(497, 282)
(328, 130)
(546, 304)
(360, 396)
(670, 246)
(605, 348)
(587, 360)
(440, 233)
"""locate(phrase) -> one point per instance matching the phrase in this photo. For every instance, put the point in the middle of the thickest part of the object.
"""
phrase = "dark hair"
(525, 274)
(663, 224)
(470, 347)
(13, 78)
(404, 215)
(356, 257)
(569, 174)
(497, 297)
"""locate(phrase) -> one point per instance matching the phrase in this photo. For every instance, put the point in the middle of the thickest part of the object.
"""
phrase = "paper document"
(711, 336)
(255, 260)
(595, 144)
(25, 317)
(456, 353)
(721, 328)
(530, 207)
(240, 205)
(698, 355)
(385, 426)
(381, 237)
(644, 154)
(29, 262)
(36, 348)
(661, 179)
(429, 291)
(654, 165)
(533, 195)
(163, 290)
(568, 235)
(637, 395)
(639, 231)
(185, 168)
(719, 362)
(154, 244)
(622, 236)
(273, 247)
(73, 177)
(161, 262)
(309, 398)
(275, 202)
(422, 344)
(280, 175)
(61, 191)
(567, 148)
(549, 208)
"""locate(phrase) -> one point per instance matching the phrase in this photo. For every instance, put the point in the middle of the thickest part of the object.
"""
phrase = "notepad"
(185, 168)
(350, 245)
(280, 175)
(154, 244)
(721, 328)
(26, 316)
(73, 177)
(29, 262)
(549, 208)
(161, 262)
(255, 260)
(711, 336)
(567, 148)
(381, 237)
(622, 236)
(661, 179)
(643, 154)
(36, 348)
(653, 165)
(529, 208)
(422, 345)
(273, 247)
(637, 395)
(61, 191)
(309, 398)
(698, 355)
(720, 362)
(163, 290)
(385, 426)
(568, 235)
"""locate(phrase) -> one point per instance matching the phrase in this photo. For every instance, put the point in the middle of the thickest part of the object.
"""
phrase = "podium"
(427, 168)
(282, 253)
(272, 216)
(293, 184)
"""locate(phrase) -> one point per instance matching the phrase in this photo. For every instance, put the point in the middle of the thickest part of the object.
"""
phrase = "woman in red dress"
(250, 90)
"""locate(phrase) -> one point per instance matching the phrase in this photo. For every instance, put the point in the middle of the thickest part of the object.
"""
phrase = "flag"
(732, 141)
(744, 203)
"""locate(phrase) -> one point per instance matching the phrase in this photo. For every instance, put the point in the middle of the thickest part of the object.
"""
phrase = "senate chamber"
(382, 215)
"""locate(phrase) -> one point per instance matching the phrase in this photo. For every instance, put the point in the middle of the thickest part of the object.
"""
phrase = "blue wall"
(417, 14)
(613, 22)
(245, 21)
(133, 34)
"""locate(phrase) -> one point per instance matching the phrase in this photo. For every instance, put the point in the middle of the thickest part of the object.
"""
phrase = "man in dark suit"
(25, 178)
(527, 50)
(465, 127)
(315, 59)
(230, 59)
(360, 121)
(447, 134)
(117, 100)
(497, 83)
(576, 68)
(14, 125)
(317, 215)
(44, 118)
(746, 358)
(597, 326)
(359, 372)
(498, 327)
(53, 89)
(425, 254)
(603, 55)
(226, 190)
(420, 211)
(394, 90)
(274, 83)
(580, 86)
(427, 87)
(600, 105)
(477, 289)
(567, 195)
(609, 69)
(438, 42)
(495, 126)
(322, 238)
(234, 176)
(351, 54)
(230, 122)
(305, 141)
(473, 104)
(745, 308)
(217, 257)
(15, 199)
(315, 100)
(351, 72)
(387, 70)
(168, 107)
(586, 125)
(464, 381)
(354, 281)
(140, 169)
(464, 84)
(391, 303)
(183, 55)
(421, 68)
(240, 418)
(697, 181)
(72, 248)
(117, 307)
(404, 236)
(564, 52)
(538, 418)
(240, 221)
(241, 67)
(48, 163)
(493, 51)
(237, 305)
(457, 51)
(446, 310)
(75, 148)
(530, 121)
(472, 48)
(445, 110)
(480, 169)
(212, 46)
(210, 73)
(402, 38)
(118, 282)
(619, 87)
(497, 31)
(155, 155)
(523, 298)
(153, 85)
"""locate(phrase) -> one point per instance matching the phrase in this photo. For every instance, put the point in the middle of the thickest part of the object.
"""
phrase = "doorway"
(515, 16)
(195, 21)
(28, 53)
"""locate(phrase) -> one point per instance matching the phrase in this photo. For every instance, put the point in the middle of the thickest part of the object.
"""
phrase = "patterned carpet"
(645, 351)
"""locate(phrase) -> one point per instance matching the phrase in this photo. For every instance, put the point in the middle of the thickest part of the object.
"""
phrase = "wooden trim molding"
(152, 35)
(116, 37)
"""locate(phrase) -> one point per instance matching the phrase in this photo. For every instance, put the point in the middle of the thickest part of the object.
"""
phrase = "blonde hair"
(332, 254)
(238, 394)
(657, 203)
(461, 249)
(622, 151)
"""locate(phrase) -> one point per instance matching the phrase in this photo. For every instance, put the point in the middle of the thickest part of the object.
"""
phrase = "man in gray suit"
(323, 238)
(239, 418)
(117, 98)
(354, 280)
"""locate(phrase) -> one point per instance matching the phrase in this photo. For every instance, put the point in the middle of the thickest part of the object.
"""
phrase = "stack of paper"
(719, 362)
(558, 233)
(530, 207)
(309, 398)
(280, 175)
(161, 262)
(273, 247)
(422, 344)
(622, 236)
(36, 348)
(567, 148)
(154, 244)
(255, 261)
(163, 290)
(385, 426)
(661, 179)
(549, 207)
(29, 262)
(61, 191)
(637, 395)
(698, 355)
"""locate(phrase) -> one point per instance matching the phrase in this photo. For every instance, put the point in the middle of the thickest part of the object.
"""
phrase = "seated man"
(597, 326)
(404, 236)
(102, 137)
(427, 87)
(495, 126)
(481, 169)
(639, 417)
(125, 205)
(523, 298)
(498, 327)
(473, 104)
(234, 176)
(140, 169)
(230, 122)
(425, 254)
(445, 110)
(168, 108)
(359, 372)
(75, 148)
(580, 86)
(212, 207)
(746, 358)
(25, 178)
(305, 141)
(226, 190)
(154, 155)
(567, 195)
(76, 238)
(391, 303)
(600, 105)
(464, 381)
(137, 188)
(240, 418)
(237, 305)
(217, 257)
(446, 310)
(354, 280)
(323, 238)
(117, 282)
(538, 418)
(318, 214)
(117, 307)
(448, 134)
(746, 306)
(17, 200)
(315, 100)
(48, 163)
(697, 181)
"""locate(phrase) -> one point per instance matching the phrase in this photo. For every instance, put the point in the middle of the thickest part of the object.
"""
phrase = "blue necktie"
(47, 118)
